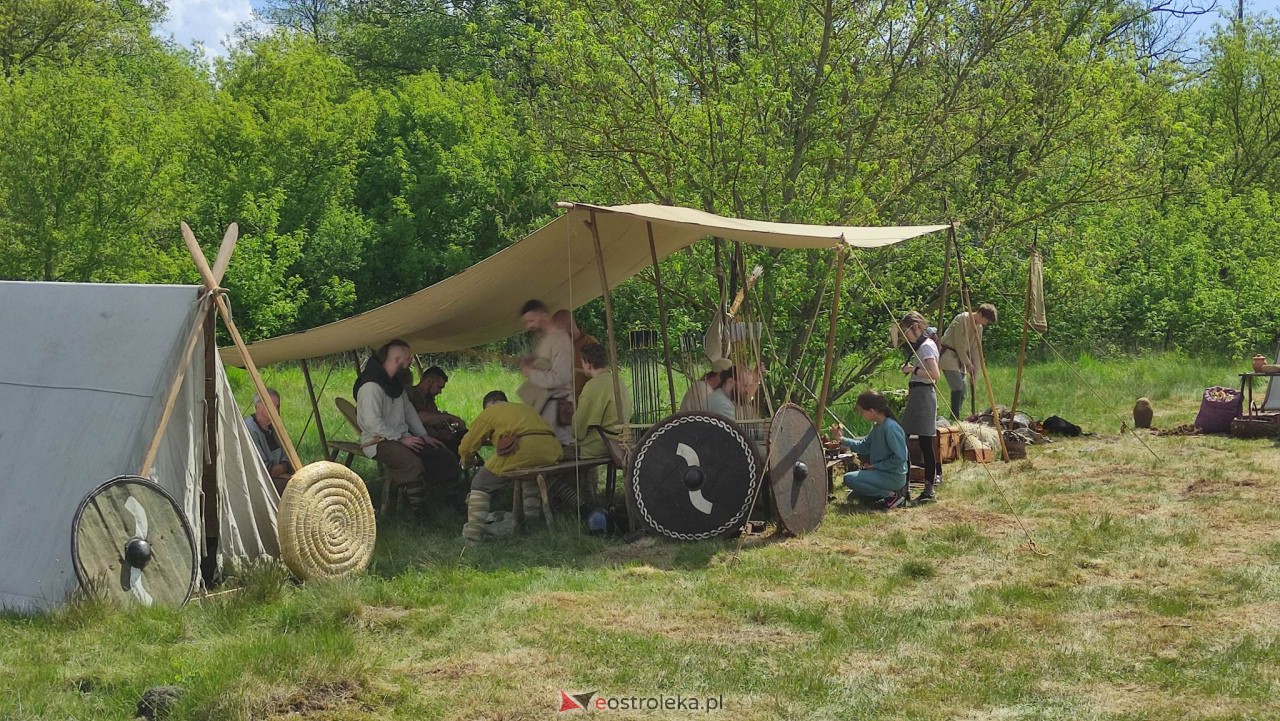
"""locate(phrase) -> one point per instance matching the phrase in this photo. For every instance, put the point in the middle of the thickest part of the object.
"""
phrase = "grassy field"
(1095, 580)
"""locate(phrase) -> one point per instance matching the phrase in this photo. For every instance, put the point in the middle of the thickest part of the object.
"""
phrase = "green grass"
(1149, 594)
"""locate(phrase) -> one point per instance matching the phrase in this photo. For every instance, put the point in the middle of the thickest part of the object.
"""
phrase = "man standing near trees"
(961, 347)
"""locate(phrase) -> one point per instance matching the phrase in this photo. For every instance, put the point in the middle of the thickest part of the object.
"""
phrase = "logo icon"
(575, 701)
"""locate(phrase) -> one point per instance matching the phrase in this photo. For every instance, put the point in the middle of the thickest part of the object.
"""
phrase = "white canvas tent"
(85, 371)
(557, 264)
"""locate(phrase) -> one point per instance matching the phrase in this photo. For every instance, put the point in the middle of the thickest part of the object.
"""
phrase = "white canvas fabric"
(84, 370)
(556, 264)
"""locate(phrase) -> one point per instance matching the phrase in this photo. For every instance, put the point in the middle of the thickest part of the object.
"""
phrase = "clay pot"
(1259, 361)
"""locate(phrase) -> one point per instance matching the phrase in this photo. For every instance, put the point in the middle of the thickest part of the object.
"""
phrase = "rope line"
(1031, 541)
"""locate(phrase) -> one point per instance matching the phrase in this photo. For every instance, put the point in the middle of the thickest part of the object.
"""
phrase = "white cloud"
(211, 22)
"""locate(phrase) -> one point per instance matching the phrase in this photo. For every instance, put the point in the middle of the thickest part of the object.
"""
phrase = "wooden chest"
(946, 446)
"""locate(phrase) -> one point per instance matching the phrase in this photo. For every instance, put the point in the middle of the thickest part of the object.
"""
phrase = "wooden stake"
(973, 329)
(224, 251)
(315, 408)
(662, 314)
(837, 290)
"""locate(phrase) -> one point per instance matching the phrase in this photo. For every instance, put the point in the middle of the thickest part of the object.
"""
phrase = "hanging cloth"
(1035, 294)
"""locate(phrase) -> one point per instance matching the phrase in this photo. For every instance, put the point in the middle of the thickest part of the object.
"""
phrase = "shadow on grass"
(405, 545)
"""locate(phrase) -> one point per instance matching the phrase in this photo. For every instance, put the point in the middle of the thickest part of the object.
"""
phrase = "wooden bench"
(539, 475)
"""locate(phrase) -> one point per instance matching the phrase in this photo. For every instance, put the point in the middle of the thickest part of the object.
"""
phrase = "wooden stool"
(517, 504)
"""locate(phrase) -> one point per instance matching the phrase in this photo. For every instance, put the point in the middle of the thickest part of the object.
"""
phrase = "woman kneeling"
(885, 479)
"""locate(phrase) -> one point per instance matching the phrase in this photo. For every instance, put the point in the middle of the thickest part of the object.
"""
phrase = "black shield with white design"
(797, 470)
(695, 476)
(130, 542)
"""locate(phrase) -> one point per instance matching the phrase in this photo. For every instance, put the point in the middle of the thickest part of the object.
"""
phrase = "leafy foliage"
(368, 148)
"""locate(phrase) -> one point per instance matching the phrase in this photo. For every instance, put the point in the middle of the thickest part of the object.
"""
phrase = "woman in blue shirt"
(886, 444)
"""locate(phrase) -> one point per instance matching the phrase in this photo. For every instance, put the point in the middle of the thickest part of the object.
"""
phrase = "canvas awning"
(556, 264)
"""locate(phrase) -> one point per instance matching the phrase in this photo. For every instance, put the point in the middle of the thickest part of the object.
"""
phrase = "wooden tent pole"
(973, 333)
(608, 319)
(946, 284)
(193, 339)
(205, 325)
(836, 290)
(1026, 329)
(662, 313)
(209, 479)
(315, 408)
(224, 310)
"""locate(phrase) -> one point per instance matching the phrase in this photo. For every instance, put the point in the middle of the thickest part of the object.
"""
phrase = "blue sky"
(213, 21)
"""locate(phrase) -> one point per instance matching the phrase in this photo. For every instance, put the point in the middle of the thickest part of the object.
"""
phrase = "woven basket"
(326, 522)
(1261, 426)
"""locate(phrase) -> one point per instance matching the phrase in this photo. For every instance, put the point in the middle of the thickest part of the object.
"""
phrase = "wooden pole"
(662, 314)
(193, 339)
(209, 479)
(1026, 330)
(315, 408)
(836, 290)
(973, 329)
(205, 312)
(967, 307)
(946, 284)
(224, 310)
(608, 319)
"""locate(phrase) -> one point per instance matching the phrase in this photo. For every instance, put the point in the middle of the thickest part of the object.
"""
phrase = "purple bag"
(1219, 407)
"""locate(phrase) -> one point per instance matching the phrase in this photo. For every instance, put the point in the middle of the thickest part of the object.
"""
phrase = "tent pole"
(608, 317)
(837, 290)
(973, 333)
(315, 408)
(946, 284)
(171, 399)
(662, 313)
(1026, 329)
(211, 524)
(224, 310)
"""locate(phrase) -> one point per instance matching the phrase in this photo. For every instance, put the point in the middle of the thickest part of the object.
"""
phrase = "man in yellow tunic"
(597, 405)
(535, 445)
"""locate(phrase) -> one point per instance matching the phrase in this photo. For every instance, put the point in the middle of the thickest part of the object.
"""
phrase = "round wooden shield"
(131, 542)
(695, 476)
(797, 470)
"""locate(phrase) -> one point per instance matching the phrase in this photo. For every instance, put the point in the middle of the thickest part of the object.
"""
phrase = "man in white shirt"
(391, 431)
(548, 372)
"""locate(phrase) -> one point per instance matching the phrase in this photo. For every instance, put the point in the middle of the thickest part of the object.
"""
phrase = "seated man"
(699, 393)
(723, 400)
(521, 439)
(444, 427)
(596, 407)
(392, 433)
(265, 440)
